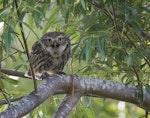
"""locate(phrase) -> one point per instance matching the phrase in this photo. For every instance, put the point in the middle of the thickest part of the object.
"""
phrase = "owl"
(50, 54)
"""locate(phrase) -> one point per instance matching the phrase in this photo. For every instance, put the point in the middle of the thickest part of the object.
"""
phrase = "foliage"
(110, 39)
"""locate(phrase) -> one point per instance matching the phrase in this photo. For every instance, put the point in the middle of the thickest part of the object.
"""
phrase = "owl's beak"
(55, 45)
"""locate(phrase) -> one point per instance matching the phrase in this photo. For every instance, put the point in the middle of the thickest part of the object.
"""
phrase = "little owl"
(50, 54)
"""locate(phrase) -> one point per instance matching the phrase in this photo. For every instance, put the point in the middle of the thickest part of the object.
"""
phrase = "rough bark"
(82, 86)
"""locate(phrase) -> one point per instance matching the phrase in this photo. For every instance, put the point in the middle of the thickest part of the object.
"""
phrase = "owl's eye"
(49, 40)
(60, 40)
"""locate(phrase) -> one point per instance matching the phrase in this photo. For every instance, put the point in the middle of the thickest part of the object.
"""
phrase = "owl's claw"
(61, 73)
(44, 75)
(74, 75)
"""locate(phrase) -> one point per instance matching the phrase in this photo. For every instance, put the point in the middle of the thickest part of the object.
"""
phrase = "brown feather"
(48, 58)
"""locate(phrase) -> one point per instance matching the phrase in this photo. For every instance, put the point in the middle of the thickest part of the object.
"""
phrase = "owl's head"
(56, 43)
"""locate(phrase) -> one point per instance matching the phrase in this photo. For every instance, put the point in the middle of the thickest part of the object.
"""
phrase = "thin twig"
(6, 99)
(26, 48)
(1, 50)
(137, 76)
(144, 33)
(66, 105)
(20, 43)
(9, 55)
(2, 102)
(122, 43)
(17, 50)
(117, 29)
(79, 70)
(146, 114)
(1, 56)
(147, 60)
(98, 7)
(3, 9)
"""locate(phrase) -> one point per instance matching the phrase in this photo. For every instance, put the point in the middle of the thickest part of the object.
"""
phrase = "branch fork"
(83, 86)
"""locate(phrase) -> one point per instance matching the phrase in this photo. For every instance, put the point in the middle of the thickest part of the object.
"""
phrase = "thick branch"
(83, 85)
(2, 102)
(31, 101)
(115, 90)
(66, 105)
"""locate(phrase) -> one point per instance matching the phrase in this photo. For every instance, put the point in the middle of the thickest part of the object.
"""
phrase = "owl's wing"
(36, 49)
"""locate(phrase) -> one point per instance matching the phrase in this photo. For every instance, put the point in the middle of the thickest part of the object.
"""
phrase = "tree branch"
(13, 73)
(26, 47)
(83, 85)
(117, 15)
(66, 105)
(11, 100)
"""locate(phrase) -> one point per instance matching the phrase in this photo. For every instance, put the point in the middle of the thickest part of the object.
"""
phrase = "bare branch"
(146, 34)
(31, 101)
(13, 73)
(5, 96)
(66, 105)
(2, 102)
(83, 86)
(25, 46)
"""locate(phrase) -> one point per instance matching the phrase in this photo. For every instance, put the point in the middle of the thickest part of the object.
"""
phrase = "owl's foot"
(74, 75)
(61, 73)
(44, 75)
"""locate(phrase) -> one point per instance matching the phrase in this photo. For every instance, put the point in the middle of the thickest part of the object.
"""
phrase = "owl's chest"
(55, 61)
(54, 64)
(46, 62)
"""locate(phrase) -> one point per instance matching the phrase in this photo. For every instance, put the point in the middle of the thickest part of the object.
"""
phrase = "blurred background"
(110, 40)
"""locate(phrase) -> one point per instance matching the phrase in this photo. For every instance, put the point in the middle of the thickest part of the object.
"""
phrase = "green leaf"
(51, 19)
(7, 36)
(83, 4)
(10, 80)
(89, 112)
(148, 89)
(18, 66)
(5, 2)
(22, 15)
(1, 51)
(80, 112)
(37, 10)
(30, 20)
(3, 15)
(44, 110)
(100, 47)
(33, 32)
(87, 101)
(88, 48)
(1, 83)
(126, 80)
(140, 93)
(129, 60)
(67, 16)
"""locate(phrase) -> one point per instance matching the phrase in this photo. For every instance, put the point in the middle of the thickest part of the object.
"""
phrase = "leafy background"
(109, 39)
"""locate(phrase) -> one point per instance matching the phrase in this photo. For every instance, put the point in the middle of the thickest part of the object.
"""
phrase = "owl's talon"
(61, 73)
(35, 93)
(44, 75)
(74, 75)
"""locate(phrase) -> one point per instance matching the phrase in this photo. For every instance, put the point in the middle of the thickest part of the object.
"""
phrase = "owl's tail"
(29, 75)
